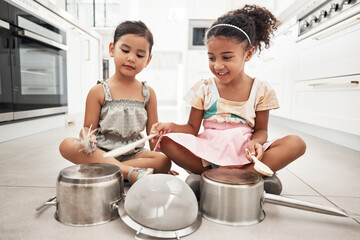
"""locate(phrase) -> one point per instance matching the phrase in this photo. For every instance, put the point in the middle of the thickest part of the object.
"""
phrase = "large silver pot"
(86, 193)
(235, 197)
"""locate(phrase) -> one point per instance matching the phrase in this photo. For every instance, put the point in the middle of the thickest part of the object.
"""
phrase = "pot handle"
(115, 204)
(51, 201)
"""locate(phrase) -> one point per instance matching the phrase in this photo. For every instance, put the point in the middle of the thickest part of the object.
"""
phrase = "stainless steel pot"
(231, 197)
(235, 197)
(86, 193)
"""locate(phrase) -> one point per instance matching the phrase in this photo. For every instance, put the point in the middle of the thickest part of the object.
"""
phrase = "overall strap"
(106, 91)
(146, 93)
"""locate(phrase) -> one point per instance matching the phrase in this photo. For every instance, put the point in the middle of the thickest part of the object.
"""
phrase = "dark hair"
(134, 27)
(257, 22)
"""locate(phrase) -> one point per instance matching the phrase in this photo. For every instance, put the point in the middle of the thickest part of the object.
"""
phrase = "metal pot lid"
(234, 176)
(161, 205)
(89, 173)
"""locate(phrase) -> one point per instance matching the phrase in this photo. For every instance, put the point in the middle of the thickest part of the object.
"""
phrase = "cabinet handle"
(334, 83)
(339, 27)
(29, 34)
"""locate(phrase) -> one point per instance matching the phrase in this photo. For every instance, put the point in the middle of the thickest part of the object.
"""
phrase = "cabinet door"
(83, 68)
(74, 67)
(276, 65)
(90, 63)
(331, 103)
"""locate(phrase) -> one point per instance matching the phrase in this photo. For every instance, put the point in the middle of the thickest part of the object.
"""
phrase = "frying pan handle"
(51, 201)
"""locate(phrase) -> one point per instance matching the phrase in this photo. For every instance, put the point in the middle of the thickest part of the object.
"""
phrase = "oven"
(6, 106)
(34, 81)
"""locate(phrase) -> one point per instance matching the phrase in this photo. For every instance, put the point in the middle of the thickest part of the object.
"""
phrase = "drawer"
(333, 52)
(331, 103)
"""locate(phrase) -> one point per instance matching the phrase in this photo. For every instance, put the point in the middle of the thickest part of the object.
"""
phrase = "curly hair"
(258, 23)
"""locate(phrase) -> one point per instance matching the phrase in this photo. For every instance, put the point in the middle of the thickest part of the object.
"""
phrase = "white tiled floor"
(327, 174)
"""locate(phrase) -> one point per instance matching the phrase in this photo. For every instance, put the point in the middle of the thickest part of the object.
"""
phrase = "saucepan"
(85, 194)
(236, 197)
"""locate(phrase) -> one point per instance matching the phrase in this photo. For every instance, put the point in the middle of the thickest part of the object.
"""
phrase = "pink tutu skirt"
(222, 144)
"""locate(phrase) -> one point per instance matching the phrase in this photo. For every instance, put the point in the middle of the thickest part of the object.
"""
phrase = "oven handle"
(29, 34)
(339, 27)
(4, 24)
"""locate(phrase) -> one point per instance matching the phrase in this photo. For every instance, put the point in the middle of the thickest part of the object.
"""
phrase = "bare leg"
(281, 153)
(69, 150)
(148, 159)
(181, 156)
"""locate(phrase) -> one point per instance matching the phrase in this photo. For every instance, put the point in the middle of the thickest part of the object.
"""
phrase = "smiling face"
(131, 55)
(227, 58)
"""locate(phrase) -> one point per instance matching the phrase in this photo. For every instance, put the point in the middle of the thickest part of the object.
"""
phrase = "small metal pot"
(86, 193)
(236, 197)
(232, 197)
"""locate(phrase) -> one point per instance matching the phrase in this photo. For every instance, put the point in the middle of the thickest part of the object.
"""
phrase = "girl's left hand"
(256, 149)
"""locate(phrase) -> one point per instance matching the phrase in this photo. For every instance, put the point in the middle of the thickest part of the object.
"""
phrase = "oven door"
(39, 76)
(6, 106)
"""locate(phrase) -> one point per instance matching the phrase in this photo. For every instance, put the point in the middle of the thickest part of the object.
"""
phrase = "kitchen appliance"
(160, 205)
(235, 197)
(6, 106)
(197, 29)
(85, 194)
(313, 17)
(36, 57)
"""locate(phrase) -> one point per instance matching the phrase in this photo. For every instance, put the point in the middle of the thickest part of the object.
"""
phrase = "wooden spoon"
(260, 166)
(124, 149)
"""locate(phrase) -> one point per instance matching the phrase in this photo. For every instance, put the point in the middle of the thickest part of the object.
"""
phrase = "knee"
(297, 145)
(65, 147)
(164, 162)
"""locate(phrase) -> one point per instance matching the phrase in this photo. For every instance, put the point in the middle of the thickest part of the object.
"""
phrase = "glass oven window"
(41, 70)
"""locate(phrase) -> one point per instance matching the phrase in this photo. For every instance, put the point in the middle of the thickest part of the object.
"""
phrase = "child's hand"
(160, 129)
(256, 149)
(87, 141)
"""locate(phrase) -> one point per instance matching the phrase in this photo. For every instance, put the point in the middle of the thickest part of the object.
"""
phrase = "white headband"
(233, 26)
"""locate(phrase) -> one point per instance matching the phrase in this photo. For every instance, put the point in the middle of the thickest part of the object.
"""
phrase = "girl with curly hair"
(233, 106)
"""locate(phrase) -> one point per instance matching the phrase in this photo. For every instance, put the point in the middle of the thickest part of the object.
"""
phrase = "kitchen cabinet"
(332, 103)
(276, 66)
(326, 90)
(316, 79)
(83, 68)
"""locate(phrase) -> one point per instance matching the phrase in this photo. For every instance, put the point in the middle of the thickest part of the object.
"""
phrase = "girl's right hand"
(160, 129)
